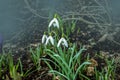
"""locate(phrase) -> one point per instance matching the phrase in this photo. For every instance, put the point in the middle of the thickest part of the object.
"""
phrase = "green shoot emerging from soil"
(108, 72)
(35, 55)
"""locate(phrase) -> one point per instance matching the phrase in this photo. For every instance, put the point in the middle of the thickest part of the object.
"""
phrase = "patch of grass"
(13, 69)
(2, 57)
(36, 56)
(68, 62)
(108, 72)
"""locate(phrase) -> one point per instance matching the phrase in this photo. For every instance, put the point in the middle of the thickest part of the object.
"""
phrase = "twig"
(33, 11)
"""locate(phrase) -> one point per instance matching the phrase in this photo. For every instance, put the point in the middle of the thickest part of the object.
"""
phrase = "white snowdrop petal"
(51, 40)
(54, 22)
(63, 42)
(66, 44)
(57, 23)
(47, 41)
(51, 22)
(44, 37)
(59, 42)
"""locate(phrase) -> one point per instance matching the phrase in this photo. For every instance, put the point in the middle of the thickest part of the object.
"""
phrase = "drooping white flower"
(63, 42)
(54, 22)
(50, 39)
(44, 38)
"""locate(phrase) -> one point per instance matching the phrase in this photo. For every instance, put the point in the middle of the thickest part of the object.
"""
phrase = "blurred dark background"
(14, 14)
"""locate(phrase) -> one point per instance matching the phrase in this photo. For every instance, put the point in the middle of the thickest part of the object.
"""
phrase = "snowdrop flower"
(44, 38)
(50, 39)
(54, 22)
(63, 42)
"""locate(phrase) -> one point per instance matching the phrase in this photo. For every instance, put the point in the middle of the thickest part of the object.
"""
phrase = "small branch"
(33, 11)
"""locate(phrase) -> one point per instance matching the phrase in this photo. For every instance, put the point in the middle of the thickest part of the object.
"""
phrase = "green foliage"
(13, 69)
(2, 57)
(35, 56)
(107, 73)
(66, 62)
(70, 28)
